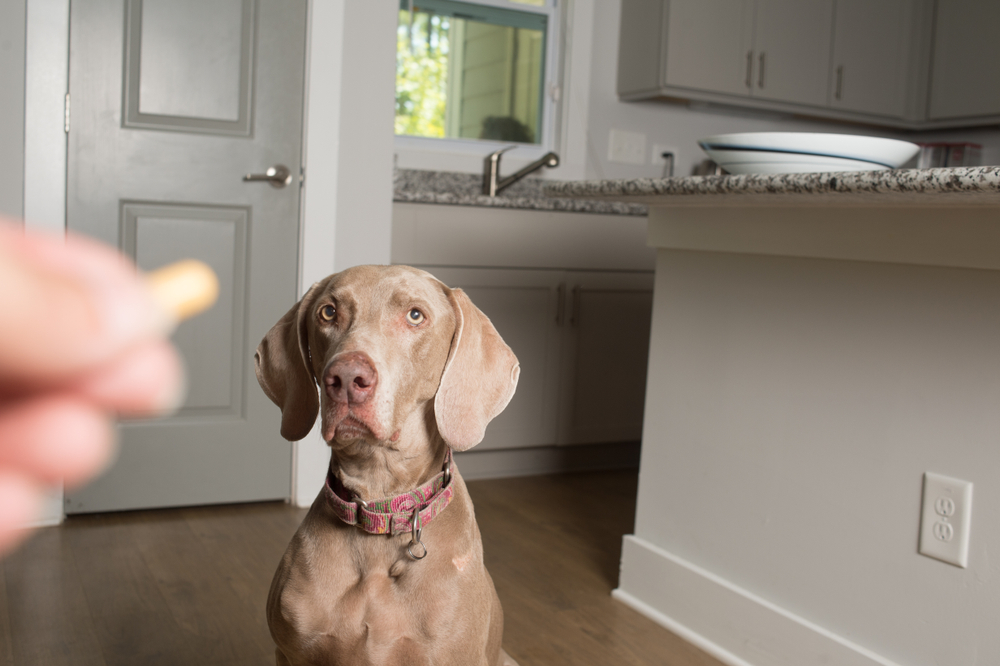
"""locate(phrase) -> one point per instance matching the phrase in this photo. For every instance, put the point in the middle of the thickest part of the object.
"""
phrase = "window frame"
(550, 98)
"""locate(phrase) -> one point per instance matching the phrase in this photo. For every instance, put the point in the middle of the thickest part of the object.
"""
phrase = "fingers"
(20, 499)
(68, 306)
(53, 439)
(146, 381)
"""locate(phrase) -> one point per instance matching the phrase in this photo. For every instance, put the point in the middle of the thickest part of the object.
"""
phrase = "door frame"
(366, 185)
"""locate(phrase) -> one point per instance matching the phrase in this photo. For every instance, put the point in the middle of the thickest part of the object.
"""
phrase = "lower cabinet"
(582, 339)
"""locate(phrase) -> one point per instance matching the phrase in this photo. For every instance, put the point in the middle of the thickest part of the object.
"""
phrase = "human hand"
(82, 340)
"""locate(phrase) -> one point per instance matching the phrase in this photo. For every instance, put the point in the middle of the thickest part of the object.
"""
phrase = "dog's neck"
(375, 470)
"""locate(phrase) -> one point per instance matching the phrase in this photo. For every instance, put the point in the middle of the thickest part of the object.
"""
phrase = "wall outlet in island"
(946, 519)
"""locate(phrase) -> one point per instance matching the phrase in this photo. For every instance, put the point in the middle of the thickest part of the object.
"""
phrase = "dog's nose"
(351, 378)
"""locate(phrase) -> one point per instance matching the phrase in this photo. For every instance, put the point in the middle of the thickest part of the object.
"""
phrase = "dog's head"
(385, 344)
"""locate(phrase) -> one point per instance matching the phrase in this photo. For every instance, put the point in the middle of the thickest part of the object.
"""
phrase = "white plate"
(791, 152)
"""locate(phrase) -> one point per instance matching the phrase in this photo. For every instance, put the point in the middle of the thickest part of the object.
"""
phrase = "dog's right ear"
(283, 371)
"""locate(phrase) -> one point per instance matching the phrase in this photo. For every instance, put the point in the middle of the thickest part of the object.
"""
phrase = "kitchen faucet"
(492, 183)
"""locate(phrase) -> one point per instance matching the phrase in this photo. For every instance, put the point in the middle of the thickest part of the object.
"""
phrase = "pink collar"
(409, 512)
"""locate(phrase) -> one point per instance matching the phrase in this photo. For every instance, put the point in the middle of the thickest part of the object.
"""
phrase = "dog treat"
(184, 288)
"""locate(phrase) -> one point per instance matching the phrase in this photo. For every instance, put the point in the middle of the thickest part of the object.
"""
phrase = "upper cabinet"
(909, 64)
(708, 44)
(792, 50)
(767, 49)
(966, 62)
(871, 41)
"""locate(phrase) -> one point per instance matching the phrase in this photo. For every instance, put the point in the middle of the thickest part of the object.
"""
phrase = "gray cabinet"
(708, 45)
(856, 60)
(966, 63)
(770, 49)
(605, 354)
(582, 339)
(870, 47)
(792, 50)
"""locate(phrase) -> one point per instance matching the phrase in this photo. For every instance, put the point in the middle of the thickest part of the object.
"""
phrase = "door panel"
(870, 49)
(172, 103)
(213, 342)
(792, 39)
(606, 357)
(707, 45)
(193, 60)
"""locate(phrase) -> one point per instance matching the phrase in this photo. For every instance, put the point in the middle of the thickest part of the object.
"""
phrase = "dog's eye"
(414, 317)
(327, 313)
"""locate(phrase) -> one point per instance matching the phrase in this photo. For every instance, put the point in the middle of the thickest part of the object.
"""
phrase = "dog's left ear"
(479, 376)
(282, 365)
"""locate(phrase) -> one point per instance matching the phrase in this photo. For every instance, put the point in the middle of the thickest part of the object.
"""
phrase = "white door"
(172, 103)
(708, 45)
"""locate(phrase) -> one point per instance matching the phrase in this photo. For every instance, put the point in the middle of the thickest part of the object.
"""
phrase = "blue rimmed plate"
(805, 152)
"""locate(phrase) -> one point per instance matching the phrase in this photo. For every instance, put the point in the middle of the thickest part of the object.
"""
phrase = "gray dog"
(387, 567)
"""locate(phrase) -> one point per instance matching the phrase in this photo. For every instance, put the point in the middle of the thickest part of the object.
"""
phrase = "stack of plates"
(805, 152)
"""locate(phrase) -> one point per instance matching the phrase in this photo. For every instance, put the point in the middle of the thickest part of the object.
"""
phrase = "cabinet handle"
(574, 305)
(560, 303)
(760, 74)
(749, 69)
(840, 82)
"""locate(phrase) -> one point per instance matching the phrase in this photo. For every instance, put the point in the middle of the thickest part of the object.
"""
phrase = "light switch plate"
(946, 519)
(626, 147)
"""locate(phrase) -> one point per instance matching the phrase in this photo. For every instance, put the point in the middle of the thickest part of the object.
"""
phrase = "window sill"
(462, 155)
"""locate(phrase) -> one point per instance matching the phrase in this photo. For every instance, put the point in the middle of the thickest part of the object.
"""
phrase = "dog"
(387, 567)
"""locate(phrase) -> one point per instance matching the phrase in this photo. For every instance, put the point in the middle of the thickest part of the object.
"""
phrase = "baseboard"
(500, 463)
(733, 625)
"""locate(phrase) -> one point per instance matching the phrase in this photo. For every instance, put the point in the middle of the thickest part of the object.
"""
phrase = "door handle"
(278, 176)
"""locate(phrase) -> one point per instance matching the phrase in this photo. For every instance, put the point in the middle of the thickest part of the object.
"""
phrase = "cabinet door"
(523, 306)
(708, 45)
(792, 50)
(966, 65)
(605, 357)
(870, 48)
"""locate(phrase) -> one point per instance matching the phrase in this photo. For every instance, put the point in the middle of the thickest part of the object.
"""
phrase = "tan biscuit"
(184, 288)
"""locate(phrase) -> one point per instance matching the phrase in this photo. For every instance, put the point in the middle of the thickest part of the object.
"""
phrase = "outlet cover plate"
(946, 519)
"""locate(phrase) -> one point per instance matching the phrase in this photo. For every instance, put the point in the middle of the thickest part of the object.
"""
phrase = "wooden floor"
(187, 586)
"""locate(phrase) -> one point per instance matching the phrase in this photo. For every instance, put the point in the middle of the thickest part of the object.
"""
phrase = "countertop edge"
(949, 186)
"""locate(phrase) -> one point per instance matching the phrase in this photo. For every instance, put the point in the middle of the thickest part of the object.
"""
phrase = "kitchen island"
(818, 343)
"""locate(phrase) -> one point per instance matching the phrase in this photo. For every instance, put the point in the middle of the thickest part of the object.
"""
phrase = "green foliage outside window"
(422, 74)
(469, 71)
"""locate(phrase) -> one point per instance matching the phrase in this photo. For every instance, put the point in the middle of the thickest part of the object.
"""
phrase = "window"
(474, 70)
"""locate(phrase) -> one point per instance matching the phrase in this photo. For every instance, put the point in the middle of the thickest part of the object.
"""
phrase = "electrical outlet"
(626, 147)
(946, 519)
(659, 160)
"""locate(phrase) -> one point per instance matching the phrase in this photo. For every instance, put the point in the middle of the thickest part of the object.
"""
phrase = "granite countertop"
(464, 189)
(958, 186)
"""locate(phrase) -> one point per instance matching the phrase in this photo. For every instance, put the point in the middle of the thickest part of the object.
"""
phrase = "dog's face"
(395, 353)
(379, 341)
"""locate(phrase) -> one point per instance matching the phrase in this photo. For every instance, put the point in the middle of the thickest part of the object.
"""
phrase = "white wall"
(347, 198)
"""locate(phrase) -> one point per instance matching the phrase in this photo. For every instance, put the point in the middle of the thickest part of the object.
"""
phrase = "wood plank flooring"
(188, 586)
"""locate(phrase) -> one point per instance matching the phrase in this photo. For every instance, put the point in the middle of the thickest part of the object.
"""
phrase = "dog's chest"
(371, 602)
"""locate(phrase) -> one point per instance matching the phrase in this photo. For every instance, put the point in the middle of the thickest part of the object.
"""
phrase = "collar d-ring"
(415, 537)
